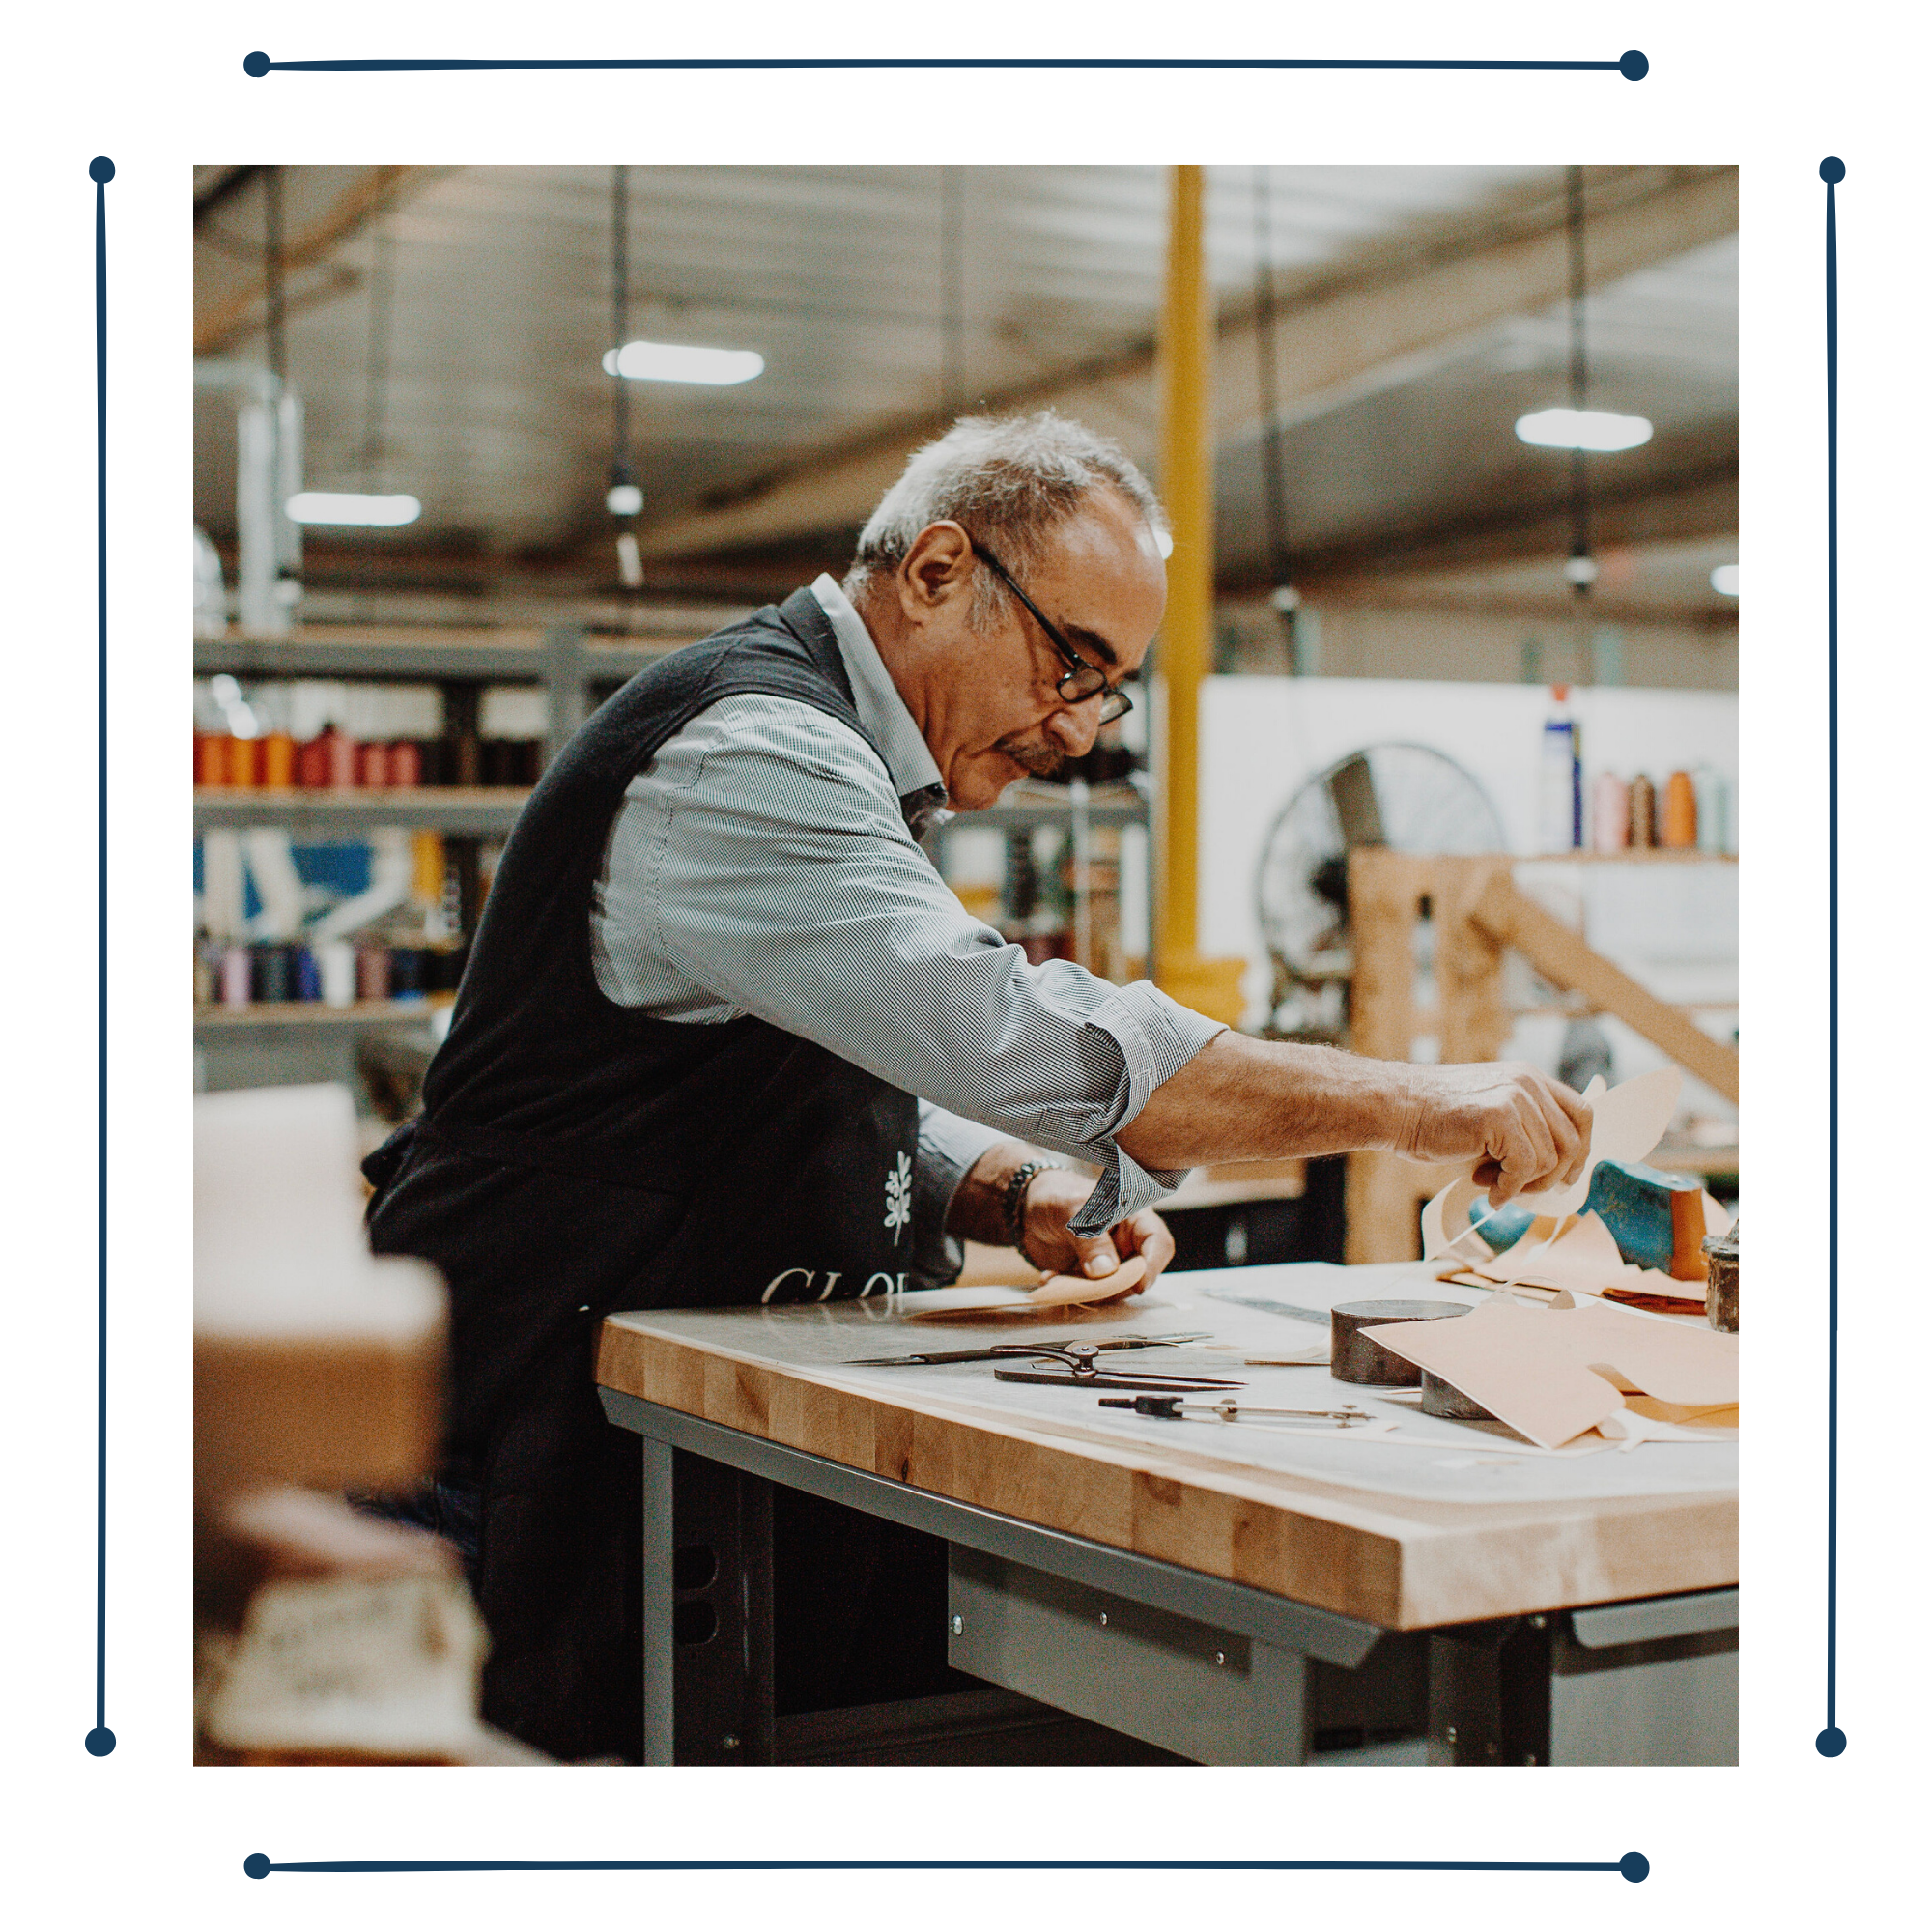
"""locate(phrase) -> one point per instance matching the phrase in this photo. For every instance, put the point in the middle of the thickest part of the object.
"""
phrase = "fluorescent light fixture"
(624, 500)
(345, 506)
(1724, 579)
(683, 363)
(1582, 429)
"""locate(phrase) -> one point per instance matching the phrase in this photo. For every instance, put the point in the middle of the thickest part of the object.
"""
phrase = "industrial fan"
(1406, 796)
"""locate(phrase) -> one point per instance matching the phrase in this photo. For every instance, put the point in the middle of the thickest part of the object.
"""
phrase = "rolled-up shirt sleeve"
(763, 860)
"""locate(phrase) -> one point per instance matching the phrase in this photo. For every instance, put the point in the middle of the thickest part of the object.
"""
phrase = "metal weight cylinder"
(1356, 1357)
(1451, 1404)
(1720, 1287)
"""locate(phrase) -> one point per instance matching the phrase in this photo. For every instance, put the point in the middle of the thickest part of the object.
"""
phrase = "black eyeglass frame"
(1114, 701)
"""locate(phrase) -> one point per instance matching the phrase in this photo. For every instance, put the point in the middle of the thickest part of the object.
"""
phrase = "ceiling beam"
(1335, 328)
(223, 185)
(375, 191)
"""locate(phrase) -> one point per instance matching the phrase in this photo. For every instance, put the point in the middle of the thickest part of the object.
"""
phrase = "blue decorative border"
(1632, 1865)
(1633, 66)
(100, 171)
(1832, 171)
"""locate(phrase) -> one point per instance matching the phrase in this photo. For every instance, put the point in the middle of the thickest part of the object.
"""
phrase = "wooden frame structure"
(1478, 911)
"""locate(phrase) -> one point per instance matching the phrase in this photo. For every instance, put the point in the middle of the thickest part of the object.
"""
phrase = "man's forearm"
(1240, 1099)
(979, 1210)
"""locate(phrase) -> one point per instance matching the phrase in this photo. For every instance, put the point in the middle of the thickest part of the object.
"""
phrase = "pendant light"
(1285, 598)
(1578, 427)
(372, 507)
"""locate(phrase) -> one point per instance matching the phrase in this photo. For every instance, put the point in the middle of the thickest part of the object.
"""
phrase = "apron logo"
(898, 1198)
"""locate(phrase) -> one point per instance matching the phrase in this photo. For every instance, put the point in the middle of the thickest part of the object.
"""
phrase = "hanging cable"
(624, 499)
(271, 272)
(952, 290)
(375, 391)
(1580, 570)
(1284, 597)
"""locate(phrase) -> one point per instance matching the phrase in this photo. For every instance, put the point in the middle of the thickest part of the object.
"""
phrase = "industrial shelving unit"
(576, 669)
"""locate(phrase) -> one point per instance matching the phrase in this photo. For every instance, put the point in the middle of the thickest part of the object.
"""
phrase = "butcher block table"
(1210, 1588)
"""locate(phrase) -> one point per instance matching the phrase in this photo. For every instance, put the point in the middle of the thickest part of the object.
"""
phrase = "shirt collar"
(880, 707)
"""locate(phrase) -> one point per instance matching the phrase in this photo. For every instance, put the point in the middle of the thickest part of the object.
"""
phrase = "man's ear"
(937, 567)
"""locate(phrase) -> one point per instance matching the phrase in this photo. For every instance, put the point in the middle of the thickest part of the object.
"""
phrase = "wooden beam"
(1507, 913)
(1397, 297)
(375, 191)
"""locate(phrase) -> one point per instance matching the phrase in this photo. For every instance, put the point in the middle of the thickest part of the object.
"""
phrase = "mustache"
(1036, 757)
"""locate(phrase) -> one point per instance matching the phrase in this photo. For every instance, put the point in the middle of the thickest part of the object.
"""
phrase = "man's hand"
(1523, 1131)
(1053, 1198)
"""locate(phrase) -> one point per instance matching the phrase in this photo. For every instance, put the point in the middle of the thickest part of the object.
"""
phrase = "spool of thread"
(335, 964)
(307, 975)
(1609, 813)
(278, 761)
(372, 972)
(206, 973)
(1680, 813)
(405, 763)
(373, 767)
(235, 978)
(497, 762)
(312, 764)
(341, 759)
(1356, 1357)
(408, 965)
(211, 758)
(1642, 814)
(465, 760)
(245, 761)
(271, 973)
(1720, 1285)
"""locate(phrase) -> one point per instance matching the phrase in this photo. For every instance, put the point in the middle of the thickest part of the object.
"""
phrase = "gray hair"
(1005, 480)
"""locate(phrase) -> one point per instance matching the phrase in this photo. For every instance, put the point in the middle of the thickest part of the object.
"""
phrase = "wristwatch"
(1014, 1203)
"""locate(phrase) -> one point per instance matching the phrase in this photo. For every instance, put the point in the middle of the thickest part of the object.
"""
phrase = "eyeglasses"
(1083, 679)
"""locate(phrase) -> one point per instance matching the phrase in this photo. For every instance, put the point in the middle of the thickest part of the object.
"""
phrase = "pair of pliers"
(1000, 1351)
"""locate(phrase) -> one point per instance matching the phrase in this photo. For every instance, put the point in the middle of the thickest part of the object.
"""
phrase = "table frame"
(1195, 1662)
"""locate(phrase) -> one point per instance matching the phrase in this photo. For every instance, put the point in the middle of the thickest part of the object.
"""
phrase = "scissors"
(1000, 1350)
(1083, 1371)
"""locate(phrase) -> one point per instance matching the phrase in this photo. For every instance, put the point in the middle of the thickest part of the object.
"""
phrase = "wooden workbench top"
(1473, 1524)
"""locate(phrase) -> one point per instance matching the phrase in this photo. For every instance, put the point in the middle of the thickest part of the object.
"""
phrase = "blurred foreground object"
(323, 1635)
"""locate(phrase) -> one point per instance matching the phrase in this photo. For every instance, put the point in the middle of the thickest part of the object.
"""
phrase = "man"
(727, 1037)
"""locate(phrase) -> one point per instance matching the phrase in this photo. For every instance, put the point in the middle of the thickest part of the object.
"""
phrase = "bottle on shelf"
(1713, 808)
(1642, 814)
(1609, 813)
(1560, 794)
(1680, 813)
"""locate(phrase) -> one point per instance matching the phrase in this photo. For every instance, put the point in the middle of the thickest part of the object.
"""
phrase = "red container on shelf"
(211, 758)
(405, 763)
(373, 767)
(341, 759)
(312, 764)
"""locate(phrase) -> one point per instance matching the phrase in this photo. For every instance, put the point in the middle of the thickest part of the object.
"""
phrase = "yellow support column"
(1211, 986)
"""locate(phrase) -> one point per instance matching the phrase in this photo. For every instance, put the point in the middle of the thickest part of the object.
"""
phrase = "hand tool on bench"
(1172, 1409)
(997, 1350)
(1083, 1371)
